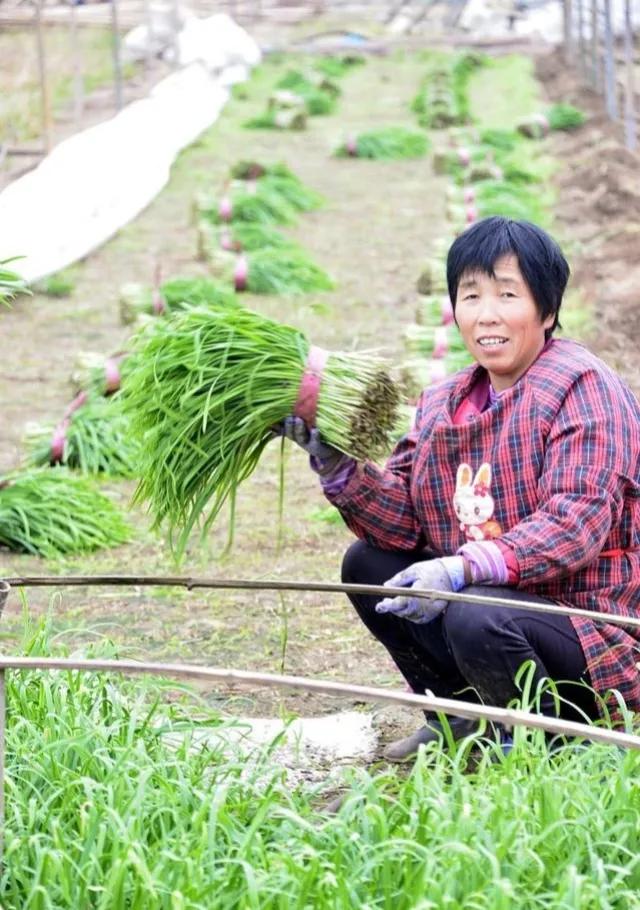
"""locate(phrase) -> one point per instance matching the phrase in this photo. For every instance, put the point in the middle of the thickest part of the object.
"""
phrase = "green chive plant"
(208, 386)
(50, 512)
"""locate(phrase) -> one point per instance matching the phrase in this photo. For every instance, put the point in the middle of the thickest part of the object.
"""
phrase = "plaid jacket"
(562, 489)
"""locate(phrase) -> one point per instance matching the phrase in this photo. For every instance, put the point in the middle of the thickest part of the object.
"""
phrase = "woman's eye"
(508, 294)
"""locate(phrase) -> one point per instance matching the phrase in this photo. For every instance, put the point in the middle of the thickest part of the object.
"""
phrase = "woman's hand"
(324, 458)
(446, 574)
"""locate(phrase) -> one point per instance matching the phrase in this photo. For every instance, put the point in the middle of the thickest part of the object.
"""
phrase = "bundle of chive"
(207, 388)
(286, 271)
(11, 283)
(144, 300)
(388, 143)
(51, 513)
(258, 202)
(564, 117)
(279, 179)
(93, 437)
(442, 99)
(497, 197)
(97, 373)
(239, 237)
(317, 90)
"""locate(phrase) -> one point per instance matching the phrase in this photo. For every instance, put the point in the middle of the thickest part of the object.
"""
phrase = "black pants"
(472, 651)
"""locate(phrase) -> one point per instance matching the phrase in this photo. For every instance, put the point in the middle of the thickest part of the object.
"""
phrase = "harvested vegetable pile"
(559, 117)
(442, 99)
(259, 203)
(286, 271)
(97, 373)
(392, 142)
(140, 299)
(10, 282)
(92, 438)
(238, 237)
(279, 179)
(206, 390)
(317, 90)
(49, 512)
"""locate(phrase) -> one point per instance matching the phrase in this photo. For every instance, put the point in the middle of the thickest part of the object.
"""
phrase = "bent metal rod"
(191, 583)
(510, 717)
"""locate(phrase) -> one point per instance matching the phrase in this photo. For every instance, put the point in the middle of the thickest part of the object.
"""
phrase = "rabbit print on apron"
(474, 504)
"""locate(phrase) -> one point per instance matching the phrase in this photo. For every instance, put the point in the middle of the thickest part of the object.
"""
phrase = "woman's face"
(499, 322)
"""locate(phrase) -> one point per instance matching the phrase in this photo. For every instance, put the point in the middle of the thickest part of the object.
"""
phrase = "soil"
(372, 235)
(599, 207)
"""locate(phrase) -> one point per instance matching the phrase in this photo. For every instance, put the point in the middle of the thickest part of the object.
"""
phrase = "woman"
(519, 479)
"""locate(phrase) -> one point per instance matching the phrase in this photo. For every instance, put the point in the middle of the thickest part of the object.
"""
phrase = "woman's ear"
(464, 475)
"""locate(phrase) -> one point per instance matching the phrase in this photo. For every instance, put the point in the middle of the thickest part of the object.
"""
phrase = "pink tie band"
(306, 405)
(241, 273)
(111, 375)
(59, 436)
(440, 342)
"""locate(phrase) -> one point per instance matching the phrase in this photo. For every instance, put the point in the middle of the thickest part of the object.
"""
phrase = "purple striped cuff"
(486, 562)
(334, 483)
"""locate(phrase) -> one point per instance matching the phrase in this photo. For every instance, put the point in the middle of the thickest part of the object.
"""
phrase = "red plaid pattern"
(564, 450)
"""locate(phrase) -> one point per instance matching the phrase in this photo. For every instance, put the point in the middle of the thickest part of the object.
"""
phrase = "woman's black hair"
(540, 259)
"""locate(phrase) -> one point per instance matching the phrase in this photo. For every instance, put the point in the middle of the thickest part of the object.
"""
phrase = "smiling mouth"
(492, 341)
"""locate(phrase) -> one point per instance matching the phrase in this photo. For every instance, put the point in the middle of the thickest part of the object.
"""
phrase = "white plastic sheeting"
(95, 182)
(308, 748)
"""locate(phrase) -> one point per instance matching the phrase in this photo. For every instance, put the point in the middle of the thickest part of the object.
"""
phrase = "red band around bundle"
(225, 209)
(241, 273)
(306, 405)
(111, 375)
(437, 370)
(471, 214)
(59, 436)
(469, 194)
(440, 342)
(446, 309)
(464, 156)
(226, 241)
(157, 303)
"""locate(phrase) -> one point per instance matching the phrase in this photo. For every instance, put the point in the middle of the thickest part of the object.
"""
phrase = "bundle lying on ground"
(434, 341)
(336, 67)
(317, 90)
(49, 512)
(279, 118)
(239, 237)
(300, 197)
(208, 387)
(279, 179)
(497, 197)
(442, 99)
(286, 270)
(434, 310)
(98, 373)
(175, 294)
(93, 437)
(471, 163)
(558, 117)
(392, 142)
(257, 203)
(10, 282)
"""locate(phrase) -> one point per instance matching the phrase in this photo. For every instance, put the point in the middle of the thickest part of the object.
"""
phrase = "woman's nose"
(488, 311)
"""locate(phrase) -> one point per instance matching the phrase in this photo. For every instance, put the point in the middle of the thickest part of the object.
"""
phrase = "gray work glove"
(439, 574)
(324, 458)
